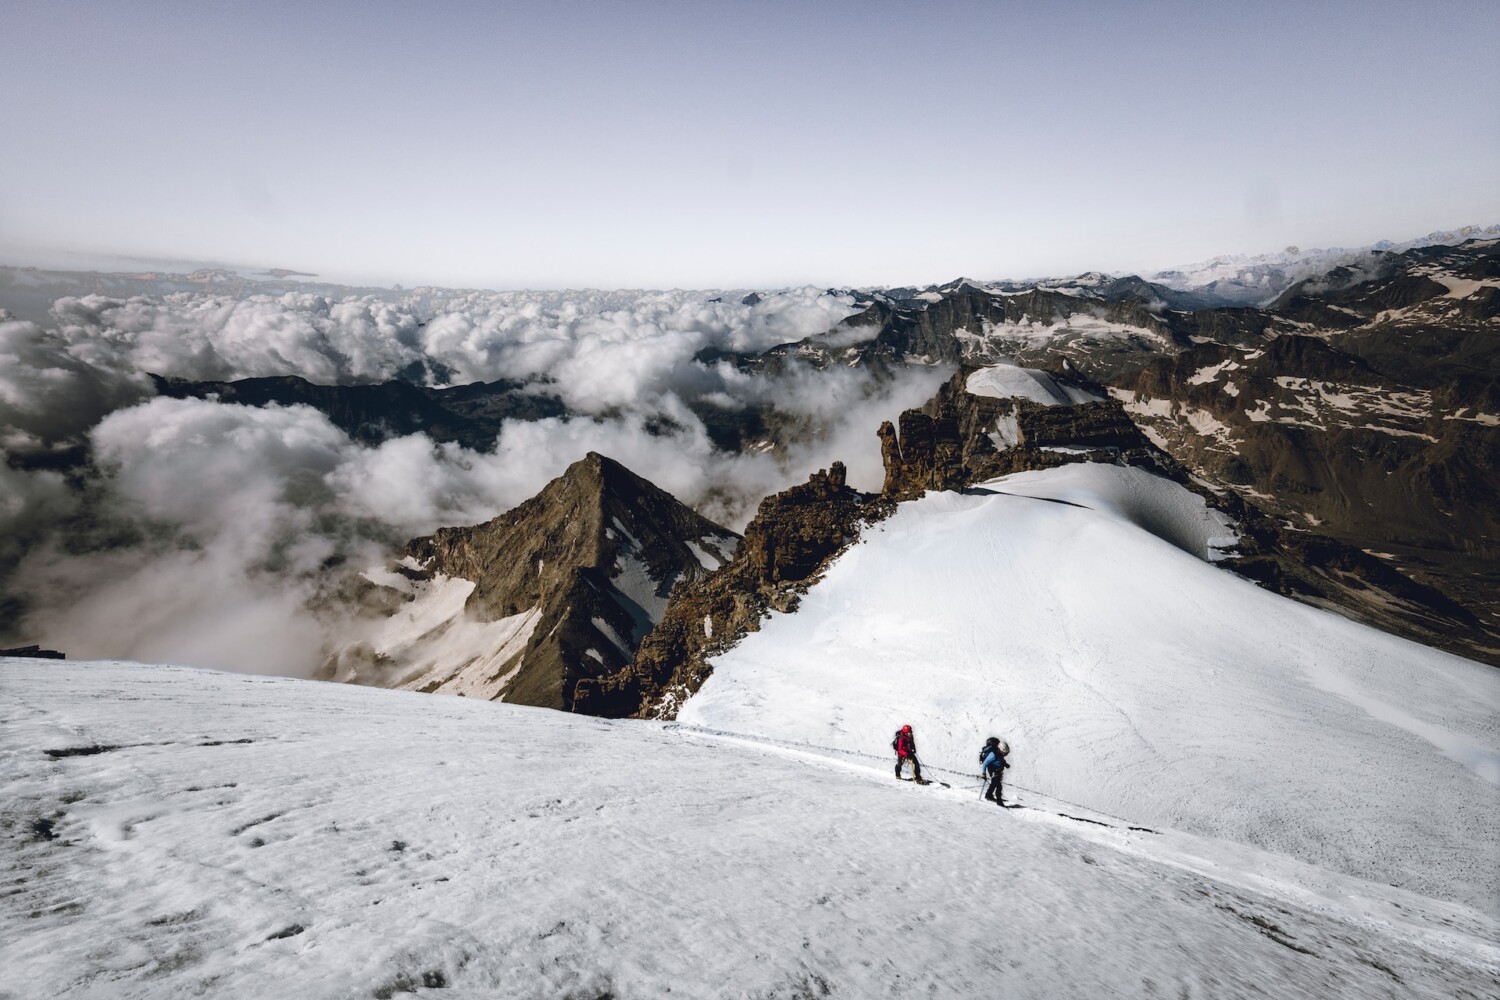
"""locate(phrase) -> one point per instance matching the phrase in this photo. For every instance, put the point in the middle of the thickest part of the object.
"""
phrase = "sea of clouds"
(213, 534)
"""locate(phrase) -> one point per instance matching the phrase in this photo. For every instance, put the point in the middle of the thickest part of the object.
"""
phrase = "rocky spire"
(587, 564)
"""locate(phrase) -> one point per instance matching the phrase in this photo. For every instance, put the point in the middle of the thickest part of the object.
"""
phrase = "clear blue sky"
(706, 144)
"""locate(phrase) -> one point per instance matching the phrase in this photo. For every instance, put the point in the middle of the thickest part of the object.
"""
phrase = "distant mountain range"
(1357, 473)
(1350, 426)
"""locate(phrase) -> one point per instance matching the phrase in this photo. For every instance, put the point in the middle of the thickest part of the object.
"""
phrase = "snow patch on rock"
(438, 646)
(1006, 381)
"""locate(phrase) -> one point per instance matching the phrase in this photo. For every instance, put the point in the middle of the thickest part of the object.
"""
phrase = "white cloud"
(51, 395)
(211, 527)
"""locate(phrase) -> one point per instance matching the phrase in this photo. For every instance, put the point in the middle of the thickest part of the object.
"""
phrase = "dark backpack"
(999, 749)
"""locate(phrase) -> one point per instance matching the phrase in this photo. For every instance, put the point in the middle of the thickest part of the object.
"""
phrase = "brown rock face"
(890, 457)
(958, 439)
(1400, 472)
(593, 556)
(793, 537)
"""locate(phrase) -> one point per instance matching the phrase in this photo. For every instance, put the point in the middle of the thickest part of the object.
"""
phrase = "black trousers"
(994, 792)
(916, 768)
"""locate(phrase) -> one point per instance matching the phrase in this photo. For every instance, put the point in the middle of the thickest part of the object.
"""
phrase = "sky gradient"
(661, 144)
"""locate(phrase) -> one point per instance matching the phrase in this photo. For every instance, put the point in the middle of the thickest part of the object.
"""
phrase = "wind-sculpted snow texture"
(1071, 611)
(178, 833)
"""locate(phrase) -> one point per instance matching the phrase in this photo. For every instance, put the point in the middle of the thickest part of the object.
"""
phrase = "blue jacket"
(994, 762)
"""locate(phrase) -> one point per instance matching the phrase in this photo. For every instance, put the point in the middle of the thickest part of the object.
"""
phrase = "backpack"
(1002, 748)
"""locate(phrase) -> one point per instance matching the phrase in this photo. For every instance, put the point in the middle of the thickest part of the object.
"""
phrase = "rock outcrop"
(33, 652)
(793, 537)
(959, 438)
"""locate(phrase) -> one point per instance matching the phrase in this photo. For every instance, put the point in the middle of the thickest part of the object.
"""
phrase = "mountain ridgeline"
(1349, 426)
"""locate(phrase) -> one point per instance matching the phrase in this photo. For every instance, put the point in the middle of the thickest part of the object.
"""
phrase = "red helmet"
(906, 729)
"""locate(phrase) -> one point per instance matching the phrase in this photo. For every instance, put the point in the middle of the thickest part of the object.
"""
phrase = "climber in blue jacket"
(992, 764)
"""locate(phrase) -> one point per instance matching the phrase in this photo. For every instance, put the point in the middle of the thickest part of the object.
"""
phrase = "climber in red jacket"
(905, 745)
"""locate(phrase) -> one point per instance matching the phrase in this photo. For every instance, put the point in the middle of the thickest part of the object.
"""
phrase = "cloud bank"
(212, 534)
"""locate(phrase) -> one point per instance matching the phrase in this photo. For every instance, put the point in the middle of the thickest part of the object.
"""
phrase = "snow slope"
(438, 646)
(1007, 381)
(1136, 679)
(172, 833)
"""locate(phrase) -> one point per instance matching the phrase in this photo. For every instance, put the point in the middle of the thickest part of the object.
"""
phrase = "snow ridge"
(1082, 623)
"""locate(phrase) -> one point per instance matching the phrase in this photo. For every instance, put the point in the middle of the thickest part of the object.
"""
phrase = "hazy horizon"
(591, 145)
(84, 262)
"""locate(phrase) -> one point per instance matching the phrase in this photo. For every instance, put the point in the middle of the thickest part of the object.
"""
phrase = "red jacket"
(906, 744)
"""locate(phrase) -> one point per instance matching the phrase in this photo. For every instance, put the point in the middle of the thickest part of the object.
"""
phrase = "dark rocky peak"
(1333, 281)
(793, 537)
(1428, 318)
(594, 516)
(959, 285)
(1391, 281)
(1133, 286)
(566, 584)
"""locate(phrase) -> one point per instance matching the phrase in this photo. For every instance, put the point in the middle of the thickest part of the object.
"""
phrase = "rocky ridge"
(948, 444)
(792, 538)
(966, 435)
(1376, 426)
(470, 415)
(961, 438)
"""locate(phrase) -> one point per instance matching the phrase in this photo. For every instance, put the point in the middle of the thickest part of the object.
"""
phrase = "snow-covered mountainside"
(1244, 280)
(1359, 411)
(1074, 611)
(179, 833)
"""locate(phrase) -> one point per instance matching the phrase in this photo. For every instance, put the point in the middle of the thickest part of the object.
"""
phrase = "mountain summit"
(521, 607)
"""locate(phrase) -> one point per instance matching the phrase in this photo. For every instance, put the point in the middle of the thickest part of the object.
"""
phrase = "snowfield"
(1007, 381)
(181, 833)
(1134, 678)
(1217, 793)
